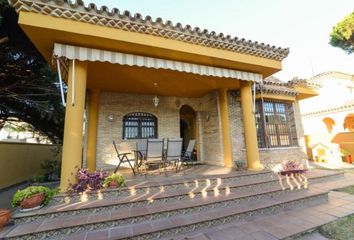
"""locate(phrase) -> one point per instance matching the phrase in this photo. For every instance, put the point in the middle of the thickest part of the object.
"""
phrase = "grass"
(341, 229)
(349, 189)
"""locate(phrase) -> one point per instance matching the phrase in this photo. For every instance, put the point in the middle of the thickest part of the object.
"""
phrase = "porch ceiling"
(140, 80)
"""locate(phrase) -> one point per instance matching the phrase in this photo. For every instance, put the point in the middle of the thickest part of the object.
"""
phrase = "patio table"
(138, 163)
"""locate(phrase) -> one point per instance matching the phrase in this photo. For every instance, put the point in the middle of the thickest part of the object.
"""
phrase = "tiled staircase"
(154, 210)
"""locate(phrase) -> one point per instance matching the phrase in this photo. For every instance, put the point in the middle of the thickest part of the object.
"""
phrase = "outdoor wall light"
(110, 118)
(156, 101)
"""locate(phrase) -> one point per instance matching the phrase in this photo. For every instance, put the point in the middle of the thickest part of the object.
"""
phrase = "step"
(151, 199)
(203, 214)
(171, 226)
(146, 199)
(289, 224)
(168, 183)
(96, 215)
(140, 214)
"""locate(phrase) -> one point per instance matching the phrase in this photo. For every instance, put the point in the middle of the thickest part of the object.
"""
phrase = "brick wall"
(209, 139)
(236, 128)
(269, 156)
(117, 104)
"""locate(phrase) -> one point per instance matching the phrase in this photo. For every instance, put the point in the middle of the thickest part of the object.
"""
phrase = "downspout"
(61, 84)
(73, 85)
(264, 120)
(254, 98)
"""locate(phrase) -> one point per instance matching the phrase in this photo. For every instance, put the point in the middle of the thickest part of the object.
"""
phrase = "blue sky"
(302, 25)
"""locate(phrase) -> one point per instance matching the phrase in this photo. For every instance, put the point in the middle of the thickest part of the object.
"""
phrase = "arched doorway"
(349, 122)
(329, 124)
(187, 124)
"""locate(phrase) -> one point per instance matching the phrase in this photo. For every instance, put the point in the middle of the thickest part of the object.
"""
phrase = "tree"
(342, 35)
(28, 86)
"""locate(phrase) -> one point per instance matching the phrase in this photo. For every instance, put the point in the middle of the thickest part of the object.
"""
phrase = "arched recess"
(188, 128)
(140, 125)
(349, 122)
(329, 124)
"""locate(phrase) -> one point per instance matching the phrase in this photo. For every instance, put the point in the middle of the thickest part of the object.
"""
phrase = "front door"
(187, 125)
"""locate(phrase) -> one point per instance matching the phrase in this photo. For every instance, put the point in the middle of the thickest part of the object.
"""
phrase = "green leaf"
(342, 35)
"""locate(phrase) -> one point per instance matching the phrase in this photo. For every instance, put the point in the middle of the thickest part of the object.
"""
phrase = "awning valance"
(90, 54)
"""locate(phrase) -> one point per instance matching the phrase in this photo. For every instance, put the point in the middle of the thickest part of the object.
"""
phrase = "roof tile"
(137, 23)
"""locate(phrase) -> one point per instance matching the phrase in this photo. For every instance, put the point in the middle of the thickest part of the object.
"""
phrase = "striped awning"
(90, 54)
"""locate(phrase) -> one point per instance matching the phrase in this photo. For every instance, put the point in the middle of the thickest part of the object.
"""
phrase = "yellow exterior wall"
(92, 130)
(276, 97)
(73, 128)
(88, 35)
(20, 161)
(225, 127)
(249, 124)
(305, 93)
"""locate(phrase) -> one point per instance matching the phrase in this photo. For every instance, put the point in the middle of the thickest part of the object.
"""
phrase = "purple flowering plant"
(291, 167)
(88, 181)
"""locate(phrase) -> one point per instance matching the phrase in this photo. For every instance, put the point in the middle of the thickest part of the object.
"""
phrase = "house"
(328, 117)
(135, 77)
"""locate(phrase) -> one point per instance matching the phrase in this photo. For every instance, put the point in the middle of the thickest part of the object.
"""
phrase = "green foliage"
(341, 229)
(342, 35)
(240, 165)
(51, 169)
(114, 177)
(349, 189)
(32, 190)
(50, 172)
(37, 178)
(28, 87)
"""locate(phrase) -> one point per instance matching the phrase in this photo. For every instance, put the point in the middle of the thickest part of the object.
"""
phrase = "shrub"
(88, 181)
(114, 177)
(37, 178)
(240, 165)
(32, 190)
(51, 170)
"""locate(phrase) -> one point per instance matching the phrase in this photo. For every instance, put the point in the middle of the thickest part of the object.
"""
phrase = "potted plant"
(87, 181)
(33, 197)
(114, 180)
(4, 217)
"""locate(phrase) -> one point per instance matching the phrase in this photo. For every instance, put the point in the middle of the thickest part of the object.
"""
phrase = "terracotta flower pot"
(4, 217)
(113, 184)
(33, 201)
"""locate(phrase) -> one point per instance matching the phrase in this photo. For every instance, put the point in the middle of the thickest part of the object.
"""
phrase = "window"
(139, 125)
(275, 124)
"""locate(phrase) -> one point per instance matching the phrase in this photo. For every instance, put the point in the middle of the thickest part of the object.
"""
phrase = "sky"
(303, 26)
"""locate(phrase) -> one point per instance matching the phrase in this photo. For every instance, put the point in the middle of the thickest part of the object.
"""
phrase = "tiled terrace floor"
(192, 171)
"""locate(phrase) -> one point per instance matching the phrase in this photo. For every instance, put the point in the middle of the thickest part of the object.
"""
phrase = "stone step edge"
(91, 226)
(177, 182)
(294, 236)
(17, 216)
(90, 196)
(163, 196)
(173, 211)
(164, 232)
(60, 198)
